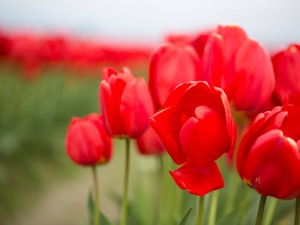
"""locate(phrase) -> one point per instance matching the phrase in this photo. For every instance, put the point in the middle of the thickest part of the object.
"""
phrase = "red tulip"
(87, 142)
(286, 65)
(149, 143)
(196, 128)
(240, 66)
(268, 158)
(172, 64)
(125, 102)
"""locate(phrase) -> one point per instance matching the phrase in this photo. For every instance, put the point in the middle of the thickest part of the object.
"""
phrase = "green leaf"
(185, 217)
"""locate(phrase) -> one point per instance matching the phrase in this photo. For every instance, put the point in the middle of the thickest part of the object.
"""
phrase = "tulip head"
(240, 66)
(149, 143)
(87, 142)
(268, 158)
(286, 65)
(125, 102)
(196, 128)
(172, 64)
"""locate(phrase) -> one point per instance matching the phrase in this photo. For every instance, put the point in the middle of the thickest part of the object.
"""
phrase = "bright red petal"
(167, 124)
(198, 180)
(204, 138)
(136, 107)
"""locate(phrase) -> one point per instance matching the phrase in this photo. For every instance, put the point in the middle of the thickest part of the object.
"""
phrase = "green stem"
(126, 178)
(213, 208)
(96, 196)
(260, 211)
(297, 212)
(270, 211)
(233, 187)
(160, 196)
(200, 210)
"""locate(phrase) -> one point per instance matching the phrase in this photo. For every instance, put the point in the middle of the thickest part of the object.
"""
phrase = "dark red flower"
(196, 128)
(125, 102)
(172, 64)
(240, 66)
(286, 65)
(268, 158)
(87, 142)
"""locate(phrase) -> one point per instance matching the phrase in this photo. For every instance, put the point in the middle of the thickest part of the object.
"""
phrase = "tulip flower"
(268, 158)
(196, 128)
(126, 105)
(240, 66)
(125, 102)
(286, 65)
(149, 143)
(172, 64)
(87, 142)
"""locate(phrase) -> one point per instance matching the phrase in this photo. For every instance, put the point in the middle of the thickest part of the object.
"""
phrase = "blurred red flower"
(125, 102)
(286, 65)
(149, 143)
(240, 66)
(268, 158)
(172, 64)
(196, 128)
(87, 142)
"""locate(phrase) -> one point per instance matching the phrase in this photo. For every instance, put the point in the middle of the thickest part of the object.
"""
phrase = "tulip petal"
(110, 106)
(167, 124)
(204, 138)
(213, 60)
(198, 180)
(176, 94)
(136, 107)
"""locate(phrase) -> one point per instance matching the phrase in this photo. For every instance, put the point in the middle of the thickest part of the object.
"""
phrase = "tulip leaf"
(185, 217)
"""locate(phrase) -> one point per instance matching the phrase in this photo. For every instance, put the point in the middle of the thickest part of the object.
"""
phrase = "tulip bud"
(87, 142)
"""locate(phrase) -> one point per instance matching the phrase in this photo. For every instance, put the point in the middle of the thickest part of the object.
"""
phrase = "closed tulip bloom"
(125, 102)
(87, 142)
(196, 128)
(172, 64)
(149, 143)
(286, 65)
(268, 158)
(240, 66)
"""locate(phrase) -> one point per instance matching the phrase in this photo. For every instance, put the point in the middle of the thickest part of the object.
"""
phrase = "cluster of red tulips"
(200, 93)
(33, 52)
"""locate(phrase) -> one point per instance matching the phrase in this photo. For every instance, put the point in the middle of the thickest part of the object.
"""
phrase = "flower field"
(199, 129)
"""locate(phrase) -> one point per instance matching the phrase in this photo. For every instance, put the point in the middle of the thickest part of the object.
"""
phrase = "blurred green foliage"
(34, 115)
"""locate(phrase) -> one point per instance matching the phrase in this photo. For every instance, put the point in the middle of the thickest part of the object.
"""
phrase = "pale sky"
(269, 21)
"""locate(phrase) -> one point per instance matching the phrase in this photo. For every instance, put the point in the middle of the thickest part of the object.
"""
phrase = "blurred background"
(51, 56)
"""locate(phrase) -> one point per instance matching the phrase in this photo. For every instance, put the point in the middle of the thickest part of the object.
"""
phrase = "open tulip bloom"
(196, 128)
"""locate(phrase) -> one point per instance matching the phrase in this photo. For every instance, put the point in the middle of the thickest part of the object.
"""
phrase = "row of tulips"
(33, 52)
(205, 98)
